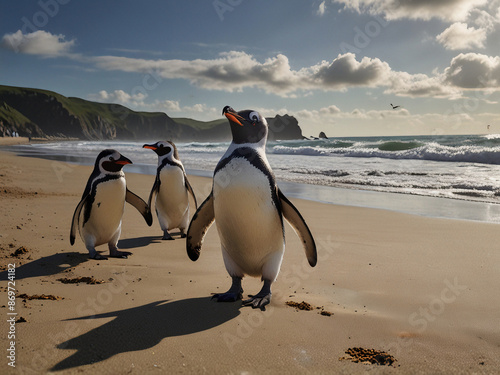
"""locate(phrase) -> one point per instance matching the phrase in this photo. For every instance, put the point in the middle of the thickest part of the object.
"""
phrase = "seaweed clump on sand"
(20, 251)
(300, 306)
(40, 296)
(376, 357)
(84, 279)
(308, 307)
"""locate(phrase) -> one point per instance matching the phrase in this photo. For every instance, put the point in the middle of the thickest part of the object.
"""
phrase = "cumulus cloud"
(39, 42)
(168, 105)
(459, 37)
(486, 19)
(138, 101)
(420, 85)
(234, 71)
(474, 71)
(321, 8)
(448, 10)
(471, 21)
(120, 97)
(200, 108)
(330, 110)
(333, 115)
(345, 71)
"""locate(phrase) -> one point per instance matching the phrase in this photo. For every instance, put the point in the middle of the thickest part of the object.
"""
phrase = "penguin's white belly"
(107, 212)
(172, 201)
(247, 220)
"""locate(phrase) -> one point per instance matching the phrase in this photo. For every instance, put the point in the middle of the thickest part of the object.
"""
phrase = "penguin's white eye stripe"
(254, 116)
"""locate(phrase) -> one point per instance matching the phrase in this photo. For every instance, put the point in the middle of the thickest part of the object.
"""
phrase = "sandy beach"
(422, 290)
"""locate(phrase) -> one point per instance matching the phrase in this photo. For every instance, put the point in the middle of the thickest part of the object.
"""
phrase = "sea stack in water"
(98, 216)
(171, 187)
(248, 209)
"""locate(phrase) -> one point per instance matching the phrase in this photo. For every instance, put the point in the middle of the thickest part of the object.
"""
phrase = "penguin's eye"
(254, 116)
(111, 158)
(160, 145)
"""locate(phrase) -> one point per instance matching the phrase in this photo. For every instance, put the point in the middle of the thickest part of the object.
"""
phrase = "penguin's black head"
(163, 148)
(111, 161)
(247, 126)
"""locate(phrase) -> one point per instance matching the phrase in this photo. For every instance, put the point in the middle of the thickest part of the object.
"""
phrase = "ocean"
(458, 175)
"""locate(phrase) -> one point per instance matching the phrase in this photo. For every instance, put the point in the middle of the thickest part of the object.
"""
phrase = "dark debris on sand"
(40, 296)
(7, 252)
(308, 307)
(20, 251)
(84, 279)
(300, 306)
(376, 357)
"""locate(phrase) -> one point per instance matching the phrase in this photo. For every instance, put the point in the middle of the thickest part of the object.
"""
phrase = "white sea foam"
(431, 151)
(458, 167)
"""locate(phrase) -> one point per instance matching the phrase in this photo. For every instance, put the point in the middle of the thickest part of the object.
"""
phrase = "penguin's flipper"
(76, 217)
(140, 205)
(293, 216)
(201, 222)
(154, 190)
(190, 189)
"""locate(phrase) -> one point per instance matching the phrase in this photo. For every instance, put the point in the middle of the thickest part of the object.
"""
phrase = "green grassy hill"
(43, 113)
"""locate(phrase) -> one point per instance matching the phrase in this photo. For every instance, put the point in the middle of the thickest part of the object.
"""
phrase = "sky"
(336, 65)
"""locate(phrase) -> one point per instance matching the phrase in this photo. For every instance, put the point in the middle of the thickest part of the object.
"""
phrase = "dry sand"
(425, 291)
(11, 141)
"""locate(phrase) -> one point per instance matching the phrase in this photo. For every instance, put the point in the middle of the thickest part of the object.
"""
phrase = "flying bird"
(395, 106)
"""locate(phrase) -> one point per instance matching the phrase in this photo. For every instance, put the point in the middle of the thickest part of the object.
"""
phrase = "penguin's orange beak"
(151, 147)
(123, 161)
(234, 118)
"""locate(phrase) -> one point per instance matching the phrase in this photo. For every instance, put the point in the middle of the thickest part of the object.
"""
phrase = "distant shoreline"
(12, 141)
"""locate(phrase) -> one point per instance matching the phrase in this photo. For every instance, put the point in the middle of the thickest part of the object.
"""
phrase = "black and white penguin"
(171, 187)
(98, 216)
(248, 208)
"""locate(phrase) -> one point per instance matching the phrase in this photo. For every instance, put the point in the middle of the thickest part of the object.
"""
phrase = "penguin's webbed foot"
(97, 256)
(261, 299)
(228, 296)
(167, 236)
(258, 301)
(233, 294)
(120, 254)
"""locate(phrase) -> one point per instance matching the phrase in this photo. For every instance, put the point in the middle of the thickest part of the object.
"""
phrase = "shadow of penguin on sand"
(143, 327)
(133, 243)
(49, 265)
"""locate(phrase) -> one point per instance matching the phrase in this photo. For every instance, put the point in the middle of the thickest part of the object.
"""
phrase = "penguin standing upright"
(171, 187)
(248, 208)
(98, 216)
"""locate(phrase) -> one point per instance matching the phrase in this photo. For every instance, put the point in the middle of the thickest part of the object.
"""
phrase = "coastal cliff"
(41, 113)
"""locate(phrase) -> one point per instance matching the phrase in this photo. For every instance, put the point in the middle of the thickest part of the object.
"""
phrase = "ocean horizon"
(456, 177)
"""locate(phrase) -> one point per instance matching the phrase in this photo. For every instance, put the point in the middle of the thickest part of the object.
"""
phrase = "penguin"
(98, 216)
(248, 208)
(171, 187)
